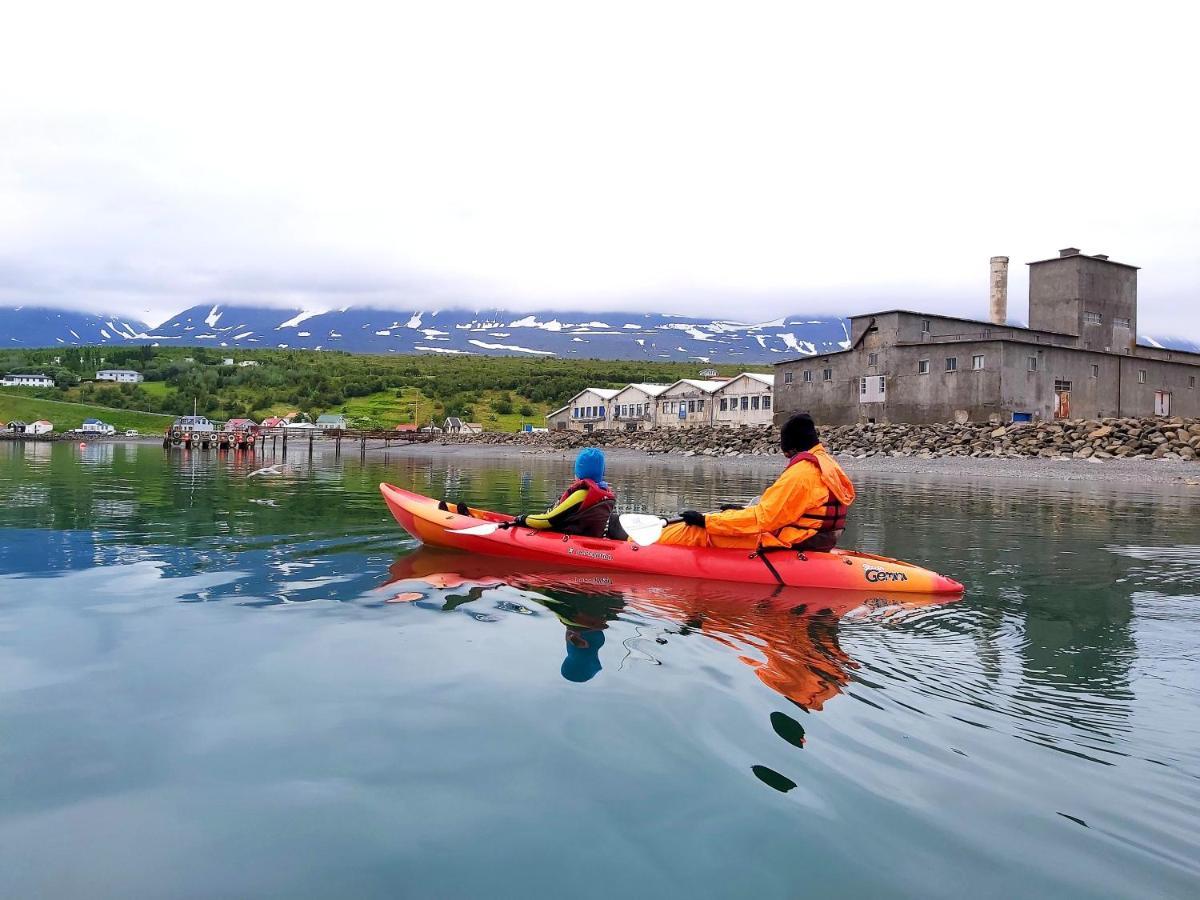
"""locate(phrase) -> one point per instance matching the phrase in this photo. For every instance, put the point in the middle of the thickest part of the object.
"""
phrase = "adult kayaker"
(585, 506)
(805, 508)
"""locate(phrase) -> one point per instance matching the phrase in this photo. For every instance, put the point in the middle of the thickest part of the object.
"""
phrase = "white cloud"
(752, 161)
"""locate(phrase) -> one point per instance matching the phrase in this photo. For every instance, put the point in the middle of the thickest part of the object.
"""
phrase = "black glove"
(691, 517)
(518, 522)
(725, 507)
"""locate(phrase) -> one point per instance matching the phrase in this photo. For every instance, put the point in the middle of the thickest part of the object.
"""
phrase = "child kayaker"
(585, 507)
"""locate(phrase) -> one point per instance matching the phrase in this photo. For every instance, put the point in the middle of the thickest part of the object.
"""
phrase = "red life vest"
(591, 517)
(828, 521)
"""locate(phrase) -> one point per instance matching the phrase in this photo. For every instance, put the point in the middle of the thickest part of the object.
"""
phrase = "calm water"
(220, 686)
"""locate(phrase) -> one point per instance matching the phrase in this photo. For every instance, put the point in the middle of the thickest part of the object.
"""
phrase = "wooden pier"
(257, 439)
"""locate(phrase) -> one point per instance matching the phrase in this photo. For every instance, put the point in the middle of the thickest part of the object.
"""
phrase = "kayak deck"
(838, 569)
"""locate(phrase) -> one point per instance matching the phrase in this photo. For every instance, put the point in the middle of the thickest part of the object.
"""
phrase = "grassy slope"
(66, 416)
(391, 409)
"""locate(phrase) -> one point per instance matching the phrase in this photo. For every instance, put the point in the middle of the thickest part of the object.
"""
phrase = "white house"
(41, 426)
(227, 361)
(127, 376)
(634, 407)
(688, 402)
(331, 422)
(591, 409)
(745, 400)
(34, 381)
(247, 363)
(95, 426)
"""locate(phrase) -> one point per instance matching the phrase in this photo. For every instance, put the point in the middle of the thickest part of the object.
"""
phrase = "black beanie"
(798, 433)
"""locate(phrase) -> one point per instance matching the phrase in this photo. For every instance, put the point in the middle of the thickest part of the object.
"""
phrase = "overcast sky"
(734, 159)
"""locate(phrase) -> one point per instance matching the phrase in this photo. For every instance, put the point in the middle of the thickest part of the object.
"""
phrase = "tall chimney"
(999, 295)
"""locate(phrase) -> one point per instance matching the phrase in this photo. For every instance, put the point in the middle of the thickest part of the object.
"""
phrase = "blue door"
(1022, 417)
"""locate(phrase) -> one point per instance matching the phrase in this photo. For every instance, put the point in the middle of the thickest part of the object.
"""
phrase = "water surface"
(220, 685)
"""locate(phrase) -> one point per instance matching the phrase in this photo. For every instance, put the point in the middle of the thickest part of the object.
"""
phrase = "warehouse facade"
(1078, 358)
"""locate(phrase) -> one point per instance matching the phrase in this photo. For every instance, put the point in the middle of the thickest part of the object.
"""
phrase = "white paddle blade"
(478, 530)
(643, 530)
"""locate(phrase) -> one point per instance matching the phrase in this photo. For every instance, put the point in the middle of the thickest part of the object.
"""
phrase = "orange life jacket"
(828, 521)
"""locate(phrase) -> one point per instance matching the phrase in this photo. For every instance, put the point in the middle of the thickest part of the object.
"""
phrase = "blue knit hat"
(590, 464)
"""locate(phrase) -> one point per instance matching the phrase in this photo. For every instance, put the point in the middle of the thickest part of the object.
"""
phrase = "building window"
(1061, 385)
(827, 374)
(862, 385)
(1031, 363)
(808, 376)
(745, 403)
(924, 326)
(787, 377)
(872, 359)
(1141, 376)
(767, 400)
(754, 402)
(691, 406)
(977, 361)
(1092, 318)
(951, 363)
(923, 367)
(1191, 382)
(724, 404)
(1121, 322)
(699, 406)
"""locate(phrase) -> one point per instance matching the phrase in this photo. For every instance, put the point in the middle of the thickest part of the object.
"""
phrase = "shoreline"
(1127, 471)
(1182, 473)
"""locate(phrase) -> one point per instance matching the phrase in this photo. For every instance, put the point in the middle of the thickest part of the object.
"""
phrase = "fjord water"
(220, 685)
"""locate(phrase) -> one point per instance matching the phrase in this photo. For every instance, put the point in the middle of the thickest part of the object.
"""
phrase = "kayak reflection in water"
(788, 636)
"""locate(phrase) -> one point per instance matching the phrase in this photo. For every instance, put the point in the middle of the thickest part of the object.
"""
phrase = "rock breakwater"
(1125, 438)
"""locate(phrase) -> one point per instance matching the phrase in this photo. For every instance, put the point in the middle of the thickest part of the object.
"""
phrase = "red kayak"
(839, 569)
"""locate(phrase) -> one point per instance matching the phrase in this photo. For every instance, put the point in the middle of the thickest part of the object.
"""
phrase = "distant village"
(1078, 358)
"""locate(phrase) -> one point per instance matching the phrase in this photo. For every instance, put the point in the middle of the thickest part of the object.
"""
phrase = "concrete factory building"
(1079, 358)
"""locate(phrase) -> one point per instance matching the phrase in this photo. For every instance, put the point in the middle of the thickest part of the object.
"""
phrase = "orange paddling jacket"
(812, 495)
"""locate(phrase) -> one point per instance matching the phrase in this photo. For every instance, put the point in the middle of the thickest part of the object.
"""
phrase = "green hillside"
(501, 393)
(66, 416)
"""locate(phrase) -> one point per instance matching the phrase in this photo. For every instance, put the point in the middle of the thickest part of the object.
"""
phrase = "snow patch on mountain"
(513, 347)
(298, 318)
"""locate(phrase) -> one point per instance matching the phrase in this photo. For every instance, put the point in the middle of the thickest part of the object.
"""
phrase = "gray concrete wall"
(1004, 386)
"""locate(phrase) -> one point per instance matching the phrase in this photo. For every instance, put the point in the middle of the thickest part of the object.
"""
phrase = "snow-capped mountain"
(30, 326)
(611, 335)
(499, 332)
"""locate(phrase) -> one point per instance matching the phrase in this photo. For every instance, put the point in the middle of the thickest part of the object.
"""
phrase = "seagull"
(268, 470)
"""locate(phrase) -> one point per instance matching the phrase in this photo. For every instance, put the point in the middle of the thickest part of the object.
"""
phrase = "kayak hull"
(837, 570)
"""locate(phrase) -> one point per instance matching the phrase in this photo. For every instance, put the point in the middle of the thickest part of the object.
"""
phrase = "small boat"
(838, 569)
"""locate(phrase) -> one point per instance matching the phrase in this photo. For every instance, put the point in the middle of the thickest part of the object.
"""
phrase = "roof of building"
(557, 411)
(92, 422)
(755, 376)
(42, 422)
(1063, 254)
(119, 371)
(649, 389)
(240, 422)
(454, 422)
(330, 418)
(707, 386)
(405, 427)
(606, 393)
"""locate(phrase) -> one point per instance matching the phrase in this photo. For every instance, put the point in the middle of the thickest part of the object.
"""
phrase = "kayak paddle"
(644, 530)
(481, 530)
